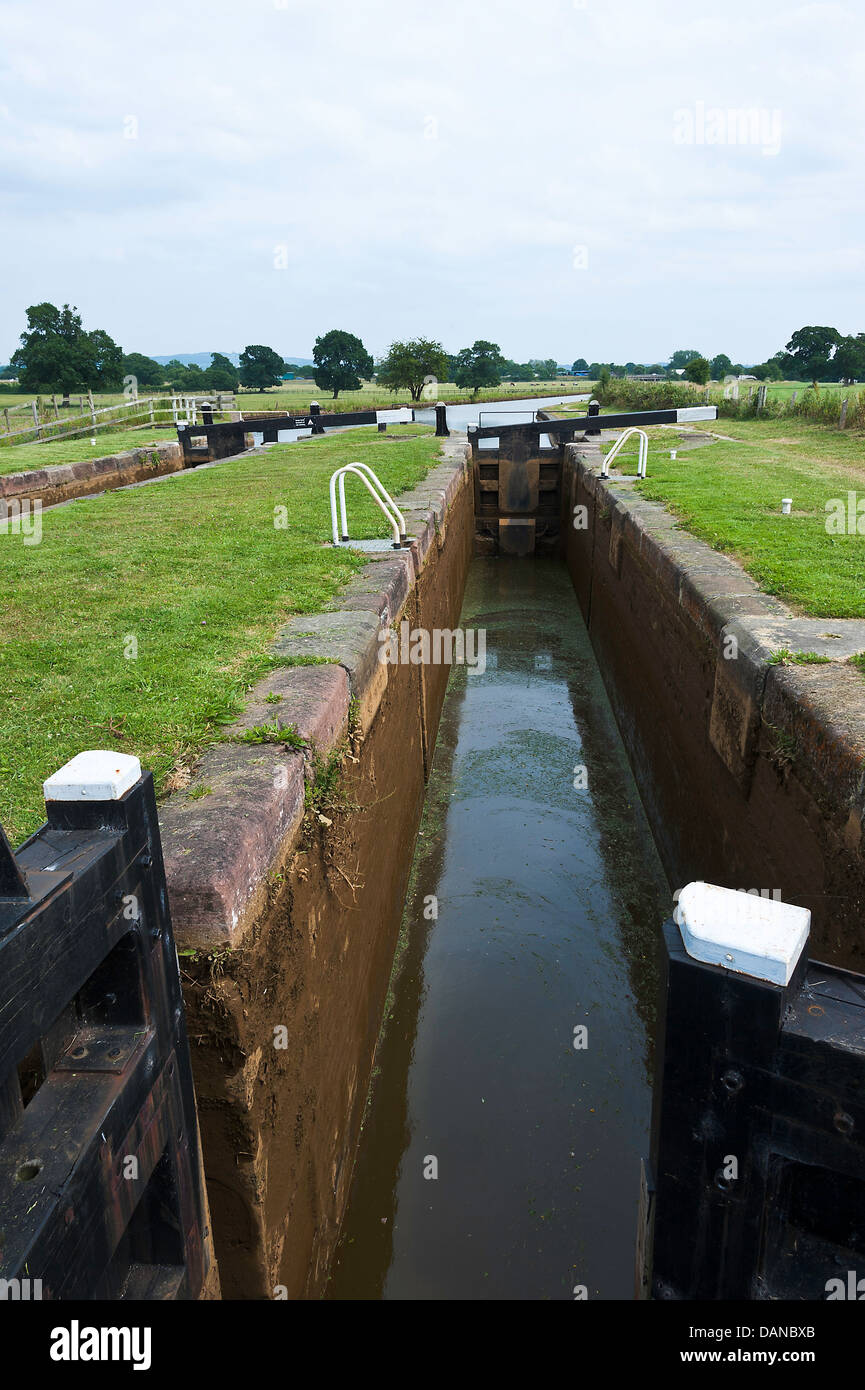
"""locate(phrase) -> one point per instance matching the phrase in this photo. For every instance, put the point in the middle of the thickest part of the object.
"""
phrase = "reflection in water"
(549, 896)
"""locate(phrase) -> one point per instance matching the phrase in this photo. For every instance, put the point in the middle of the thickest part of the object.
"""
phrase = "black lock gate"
(101, 1186)
(758, 1134)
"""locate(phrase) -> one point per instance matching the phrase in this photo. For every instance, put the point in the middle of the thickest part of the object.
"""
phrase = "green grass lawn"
(729, 494)
(20, 457)
(194, 569)
(785, 389)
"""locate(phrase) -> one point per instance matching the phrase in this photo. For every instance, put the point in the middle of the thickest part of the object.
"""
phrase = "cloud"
(430, 169)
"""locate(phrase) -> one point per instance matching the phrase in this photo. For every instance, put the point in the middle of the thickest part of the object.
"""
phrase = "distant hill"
(202, 359)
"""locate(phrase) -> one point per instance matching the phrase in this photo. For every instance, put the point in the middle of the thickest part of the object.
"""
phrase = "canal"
(506, 412)
(511, 1098)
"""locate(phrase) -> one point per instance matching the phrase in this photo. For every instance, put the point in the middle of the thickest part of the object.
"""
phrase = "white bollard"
(754, 936)
(96, 775)
(786, 505)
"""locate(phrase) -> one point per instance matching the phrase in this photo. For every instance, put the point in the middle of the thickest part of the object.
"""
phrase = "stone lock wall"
(753, 773)
(62, 482)
(287, 918)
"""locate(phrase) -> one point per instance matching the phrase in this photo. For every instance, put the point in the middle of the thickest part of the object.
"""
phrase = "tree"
(544, 368)
(849, 359)
(682, 357)
(808, 352)
(581, 365)
(188, 377)
(477, 366)
(222, 375)
(260, 367)
(409, 364)
(721, 366)
(698, 370)
(175, 374)
(106, 359)
(56, 353)
(146, 371)
(340, 361)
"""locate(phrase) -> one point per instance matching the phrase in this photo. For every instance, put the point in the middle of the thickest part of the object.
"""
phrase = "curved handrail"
(358, 471)
(642, 458)
(383, 491)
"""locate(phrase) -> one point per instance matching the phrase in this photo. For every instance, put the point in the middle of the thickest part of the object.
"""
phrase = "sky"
(572, 178)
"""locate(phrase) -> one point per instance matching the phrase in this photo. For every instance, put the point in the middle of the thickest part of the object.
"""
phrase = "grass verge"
(142, 618)
(21, 457)
(729, 493)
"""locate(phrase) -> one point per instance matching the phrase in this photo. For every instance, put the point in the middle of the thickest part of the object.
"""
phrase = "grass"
(729, 494)
(784, 657)
(19, 458)
(195, 570)
(295, 396)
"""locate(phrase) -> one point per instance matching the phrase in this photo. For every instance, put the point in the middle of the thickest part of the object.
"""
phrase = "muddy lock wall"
(287, 925)
(752, 773)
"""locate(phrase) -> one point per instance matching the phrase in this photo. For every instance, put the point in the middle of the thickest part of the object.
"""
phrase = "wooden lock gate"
(101, 1185)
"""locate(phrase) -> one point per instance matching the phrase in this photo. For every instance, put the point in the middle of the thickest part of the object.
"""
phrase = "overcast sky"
(550, 174)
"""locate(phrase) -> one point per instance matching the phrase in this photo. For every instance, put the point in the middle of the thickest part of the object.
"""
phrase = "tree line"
(56, 353)
(813, 353)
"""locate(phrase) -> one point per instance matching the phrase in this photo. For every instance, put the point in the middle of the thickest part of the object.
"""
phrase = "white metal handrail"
(642, 457)
(375, 489)
(383, 492)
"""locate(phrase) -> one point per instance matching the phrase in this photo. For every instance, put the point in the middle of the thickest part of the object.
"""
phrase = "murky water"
(499, 413)
(549, 898)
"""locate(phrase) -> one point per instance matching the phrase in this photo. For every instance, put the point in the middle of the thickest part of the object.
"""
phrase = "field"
(729, 493)
(292, 398)
(192, 568)
(783, 390)
(296, 395)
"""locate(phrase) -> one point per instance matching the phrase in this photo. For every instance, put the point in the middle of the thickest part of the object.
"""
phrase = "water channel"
(501, 1147)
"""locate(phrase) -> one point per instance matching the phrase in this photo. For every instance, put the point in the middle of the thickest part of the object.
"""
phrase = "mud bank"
(64, 481)
(287, 865)
(753, 773)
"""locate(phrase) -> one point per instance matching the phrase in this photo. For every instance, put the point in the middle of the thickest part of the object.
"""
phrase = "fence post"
(34, 407)
(151, 410)
(442, 431)
(843, 423)
(54, 403)
(6, 417)
(92, 407)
